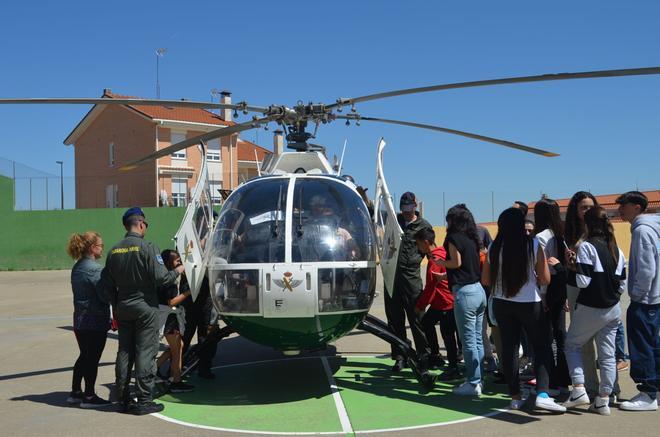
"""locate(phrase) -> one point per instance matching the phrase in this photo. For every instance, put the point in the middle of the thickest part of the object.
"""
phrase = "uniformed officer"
(134, 270)
(407, 285)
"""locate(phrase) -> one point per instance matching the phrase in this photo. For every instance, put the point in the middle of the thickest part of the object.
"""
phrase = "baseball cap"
(408, 201)
(135, 211)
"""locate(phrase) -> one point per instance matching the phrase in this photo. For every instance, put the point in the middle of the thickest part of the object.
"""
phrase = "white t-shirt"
(530, 291)
(548, 242)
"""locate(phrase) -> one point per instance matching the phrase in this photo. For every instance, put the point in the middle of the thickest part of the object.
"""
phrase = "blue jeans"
(620, 343)
(469, 309)
(644, 346)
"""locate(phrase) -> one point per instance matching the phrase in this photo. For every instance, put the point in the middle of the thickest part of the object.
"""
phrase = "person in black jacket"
(407, 283)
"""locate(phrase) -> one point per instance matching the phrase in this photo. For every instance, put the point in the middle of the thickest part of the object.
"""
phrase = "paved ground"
(39, 349)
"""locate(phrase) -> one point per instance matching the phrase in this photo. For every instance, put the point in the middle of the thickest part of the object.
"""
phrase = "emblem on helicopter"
(287, 282)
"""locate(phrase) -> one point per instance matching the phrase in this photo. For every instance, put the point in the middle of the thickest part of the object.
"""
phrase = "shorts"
(172, 325)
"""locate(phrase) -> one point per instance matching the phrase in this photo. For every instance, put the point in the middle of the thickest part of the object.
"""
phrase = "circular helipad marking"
(293, 396)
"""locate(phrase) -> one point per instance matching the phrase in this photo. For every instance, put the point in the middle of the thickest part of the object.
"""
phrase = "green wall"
(36, 240)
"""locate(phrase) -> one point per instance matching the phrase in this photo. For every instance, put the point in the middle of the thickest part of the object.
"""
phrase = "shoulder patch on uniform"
(160, 259)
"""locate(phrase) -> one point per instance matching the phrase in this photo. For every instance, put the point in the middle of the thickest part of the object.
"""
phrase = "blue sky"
(606, 130)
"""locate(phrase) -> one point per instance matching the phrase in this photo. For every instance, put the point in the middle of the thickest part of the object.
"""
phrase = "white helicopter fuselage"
(292, 259)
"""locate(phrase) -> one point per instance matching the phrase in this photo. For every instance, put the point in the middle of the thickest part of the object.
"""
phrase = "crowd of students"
(521, 285)
(524, 283)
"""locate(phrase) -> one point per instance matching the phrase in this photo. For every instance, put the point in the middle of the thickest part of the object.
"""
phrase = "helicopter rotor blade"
(218, 133)
(523, 79)
(455, 132)
(142, 102)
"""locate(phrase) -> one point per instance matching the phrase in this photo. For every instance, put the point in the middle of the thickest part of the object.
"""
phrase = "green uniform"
(133, 272)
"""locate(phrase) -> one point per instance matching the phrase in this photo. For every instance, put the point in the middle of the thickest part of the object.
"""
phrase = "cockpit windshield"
(330, 223)
(251, 226)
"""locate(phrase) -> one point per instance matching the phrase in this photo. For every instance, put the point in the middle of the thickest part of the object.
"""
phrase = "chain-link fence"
(37, 190)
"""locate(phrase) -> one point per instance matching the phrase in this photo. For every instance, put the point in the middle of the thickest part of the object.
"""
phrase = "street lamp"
(159, 54)
(61, 183)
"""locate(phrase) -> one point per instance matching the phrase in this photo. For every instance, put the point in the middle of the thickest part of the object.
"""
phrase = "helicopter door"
(388, 231)
(196, 231)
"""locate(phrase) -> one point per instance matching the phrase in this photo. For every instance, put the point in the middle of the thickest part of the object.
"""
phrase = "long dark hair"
(598, 225)
(546, 216)
(574, 229)
(516, 249)
(460, 220)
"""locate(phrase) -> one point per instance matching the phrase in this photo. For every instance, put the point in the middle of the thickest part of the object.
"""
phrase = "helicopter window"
(346, 289)
(236, 291)
(330, 223)
(251, 225)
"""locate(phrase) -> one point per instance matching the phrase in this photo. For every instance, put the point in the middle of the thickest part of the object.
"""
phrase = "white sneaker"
(551, 391)
(516, 404)
(467, 389)
(641, 402)
(577, 397)
(601, 406)
(549, 404)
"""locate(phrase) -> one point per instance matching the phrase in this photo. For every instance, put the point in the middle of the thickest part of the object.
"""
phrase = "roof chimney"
(225, 97)
(278, 142)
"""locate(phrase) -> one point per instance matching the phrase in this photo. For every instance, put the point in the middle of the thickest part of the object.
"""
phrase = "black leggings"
(91, 345)
(447, 330)
(511, 318)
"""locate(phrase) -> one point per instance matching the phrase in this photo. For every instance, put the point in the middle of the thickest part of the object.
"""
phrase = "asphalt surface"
(39, 350)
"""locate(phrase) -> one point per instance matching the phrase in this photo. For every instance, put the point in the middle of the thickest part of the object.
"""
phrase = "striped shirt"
(600, 277)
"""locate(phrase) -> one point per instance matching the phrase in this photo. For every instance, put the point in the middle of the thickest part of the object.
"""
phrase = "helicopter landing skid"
(380, 329)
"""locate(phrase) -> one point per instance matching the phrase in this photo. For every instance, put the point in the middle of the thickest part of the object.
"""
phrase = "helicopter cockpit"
(293, 246)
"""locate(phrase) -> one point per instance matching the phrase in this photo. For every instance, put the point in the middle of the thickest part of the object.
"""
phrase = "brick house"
(112, 135)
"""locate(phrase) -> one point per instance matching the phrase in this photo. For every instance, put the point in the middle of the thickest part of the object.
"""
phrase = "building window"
(180, 191)
(177, 137)
(111, 154)
(215, 187)
(112, 196)
(213, 150)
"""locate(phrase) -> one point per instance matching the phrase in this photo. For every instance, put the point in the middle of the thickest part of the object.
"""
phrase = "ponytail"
(79, 244)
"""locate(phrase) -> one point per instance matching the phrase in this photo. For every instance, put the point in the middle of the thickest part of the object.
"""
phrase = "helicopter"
(291, 258)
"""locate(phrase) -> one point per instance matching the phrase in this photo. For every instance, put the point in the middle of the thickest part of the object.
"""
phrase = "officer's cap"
(136, 211)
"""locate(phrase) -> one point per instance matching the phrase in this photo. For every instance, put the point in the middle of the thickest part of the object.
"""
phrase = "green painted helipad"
(295, 396)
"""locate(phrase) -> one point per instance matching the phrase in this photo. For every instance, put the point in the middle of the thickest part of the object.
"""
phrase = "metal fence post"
(13, 164)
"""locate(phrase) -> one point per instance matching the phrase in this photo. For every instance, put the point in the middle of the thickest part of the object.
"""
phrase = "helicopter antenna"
(341, 160)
